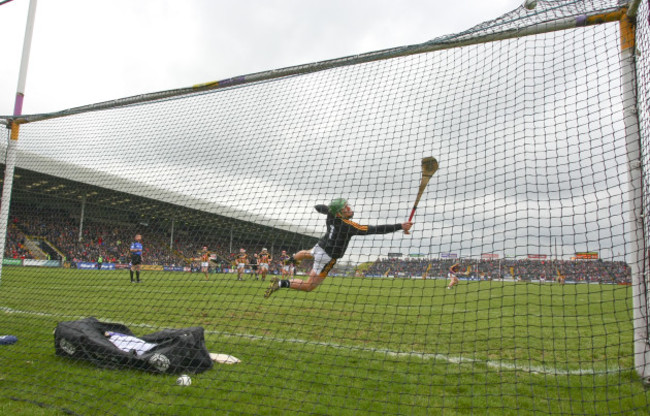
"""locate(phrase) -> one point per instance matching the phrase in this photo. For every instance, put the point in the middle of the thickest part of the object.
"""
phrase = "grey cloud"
(523, 163)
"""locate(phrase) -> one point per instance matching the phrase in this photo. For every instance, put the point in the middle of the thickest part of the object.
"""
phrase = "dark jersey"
(340, 231)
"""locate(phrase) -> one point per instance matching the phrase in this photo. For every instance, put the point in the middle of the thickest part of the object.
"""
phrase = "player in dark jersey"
(136, 257)
(332, 246)
(253, 264)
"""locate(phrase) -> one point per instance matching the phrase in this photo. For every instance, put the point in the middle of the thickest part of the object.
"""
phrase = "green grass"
(354, 346)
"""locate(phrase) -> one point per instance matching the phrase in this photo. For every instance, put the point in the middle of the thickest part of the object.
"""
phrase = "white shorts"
(205, 264)
(285, 268)
(240, 266)
(264, 266)
(451, 276)
(323, 263)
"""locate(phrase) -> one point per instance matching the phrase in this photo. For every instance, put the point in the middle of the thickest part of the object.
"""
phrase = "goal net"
(521, 288)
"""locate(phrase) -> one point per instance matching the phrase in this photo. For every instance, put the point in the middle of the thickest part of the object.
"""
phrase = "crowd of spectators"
(524, 269)
(112, 241)
(15, 244)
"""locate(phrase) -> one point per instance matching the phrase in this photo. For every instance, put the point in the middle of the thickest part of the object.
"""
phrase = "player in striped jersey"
(205, 262)
(332, 246)
(264, 261)
(241, 260)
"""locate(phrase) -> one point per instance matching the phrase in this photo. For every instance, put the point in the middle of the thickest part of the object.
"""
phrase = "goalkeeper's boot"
(273, 287)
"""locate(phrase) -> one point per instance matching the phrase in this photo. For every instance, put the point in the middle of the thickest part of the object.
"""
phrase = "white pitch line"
(499, 365)
(114, 289)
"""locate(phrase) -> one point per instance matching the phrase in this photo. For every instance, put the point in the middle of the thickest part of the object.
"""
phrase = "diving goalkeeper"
(331, 246)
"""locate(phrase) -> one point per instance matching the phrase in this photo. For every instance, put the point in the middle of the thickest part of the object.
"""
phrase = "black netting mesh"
(512, 295)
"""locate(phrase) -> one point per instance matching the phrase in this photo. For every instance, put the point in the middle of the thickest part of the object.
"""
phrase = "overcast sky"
(85, 51)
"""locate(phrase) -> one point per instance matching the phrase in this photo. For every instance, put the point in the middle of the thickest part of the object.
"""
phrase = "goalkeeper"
(331, 246)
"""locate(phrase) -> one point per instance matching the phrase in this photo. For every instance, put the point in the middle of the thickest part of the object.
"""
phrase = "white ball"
(530, 4)
(183, 380)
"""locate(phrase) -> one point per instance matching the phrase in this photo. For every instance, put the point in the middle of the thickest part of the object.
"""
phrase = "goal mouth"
(524, 266)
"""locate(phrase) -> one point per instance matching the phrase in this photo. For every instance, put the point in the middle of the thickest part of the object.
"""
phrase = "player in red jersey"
(453, 275)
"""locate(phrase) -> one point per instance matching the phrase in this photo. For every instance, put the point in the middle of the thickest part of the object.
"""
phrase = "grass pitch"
(352, 347)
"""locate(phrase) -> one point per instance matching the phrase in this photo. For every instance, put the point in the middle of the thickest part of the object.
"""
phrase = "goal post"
(10, 157)
(636, 212)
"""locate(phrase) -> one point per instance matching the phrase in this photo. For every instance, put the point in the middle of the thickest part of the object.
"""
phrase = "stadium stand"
(58, 232)
(520, 269)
